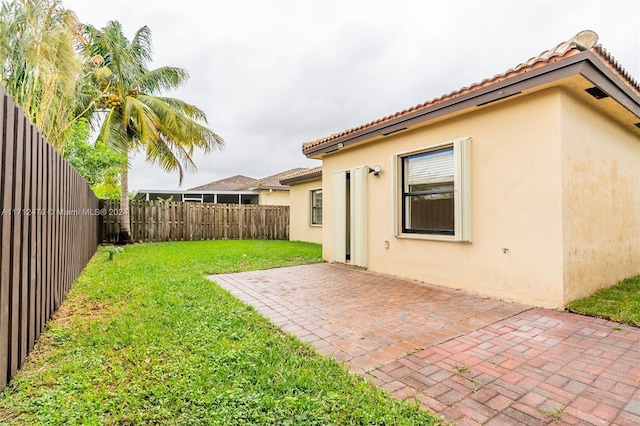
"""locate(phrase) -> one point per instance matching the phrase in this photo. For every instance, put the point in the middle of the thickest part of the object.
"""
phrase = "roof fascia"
(608, 81)
(152, 191)
(275, 188)
(303, 179)
(243, 192)
(161, 191)
(494, 92)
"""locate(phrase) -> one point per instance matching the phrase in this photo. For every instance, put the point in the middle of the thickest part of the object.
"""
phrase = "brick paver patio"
(473, 359)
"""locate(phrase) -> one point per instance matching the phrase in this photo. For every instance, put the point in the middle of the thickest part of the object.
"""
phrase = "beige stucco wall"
(517, 193)
(273, 198)
(300, 228)
(601, 192)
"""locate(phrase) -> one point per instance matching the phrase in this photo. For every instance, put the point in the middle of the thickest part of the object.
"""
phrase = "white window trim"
(311, 191)
(462, 192)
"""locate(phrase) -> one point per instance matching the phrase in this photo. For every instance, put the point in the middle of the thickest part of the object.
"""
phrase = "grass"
(619, 303)
(554, 415)
(145, 338)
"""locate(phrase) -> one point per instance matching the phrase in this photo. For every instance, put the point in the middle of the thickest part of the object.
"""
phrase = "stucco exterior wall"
(601, 209)
(300, 227)
(516, 180)
(273, 198)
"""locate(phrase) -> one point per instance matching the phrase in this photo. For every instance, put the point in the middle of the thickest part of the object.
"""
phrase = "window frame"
(437, 190)
(461, 193)
(313, 208)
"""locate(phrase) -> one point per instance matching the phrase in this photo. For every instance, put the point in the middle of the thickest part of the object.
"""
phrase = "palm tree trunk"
(124, 237)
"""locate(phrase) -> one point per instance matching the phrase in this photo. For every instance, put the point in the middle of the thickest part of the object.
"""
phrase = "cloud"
(271, 75)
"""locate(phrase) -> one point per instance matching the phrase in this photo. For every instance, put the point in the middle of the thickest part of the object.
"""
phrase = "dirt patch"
(78, 307)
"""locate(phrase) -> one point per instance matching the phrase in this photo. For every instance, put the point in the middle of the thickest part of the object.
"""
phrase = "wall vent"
(597, 92)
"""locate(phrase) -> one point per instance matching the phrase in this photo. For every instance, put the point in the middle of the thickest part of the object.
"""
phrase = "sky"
(271, 75)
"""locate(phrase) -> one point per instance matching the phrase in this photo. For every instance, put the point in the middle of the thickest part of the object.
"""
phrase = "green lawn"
(146, 339)
(620, 303)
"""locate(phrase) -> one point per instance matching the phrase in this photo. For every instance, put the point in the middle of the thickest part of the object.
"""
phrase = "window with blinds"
(436, 190)
(428, 170)
(316, 207)
(428, 192)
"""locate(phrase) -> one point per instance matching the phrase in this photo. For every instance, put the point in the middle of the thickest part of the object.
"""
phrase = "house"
(237, 189)
(523, 187)
(305, 197)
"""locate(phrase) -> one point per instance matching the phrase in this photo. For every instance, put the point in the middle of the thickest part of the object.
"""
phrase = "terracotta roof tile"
(273, 181)
(608, 59)
(302, 175)
(585, 40)
(233, 183)
(244, 183)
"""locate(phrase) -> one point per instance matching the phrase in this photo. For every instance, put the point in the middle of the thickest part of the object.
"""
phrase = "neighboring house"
(237, 189)
(524, 187)
(305, 195)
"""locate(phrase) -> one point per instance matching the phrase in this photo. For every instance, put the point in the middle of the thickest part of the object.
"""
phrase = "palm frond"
(141, 121)
(140, 47)
(113, 133)
(38, 62)
(159, 79)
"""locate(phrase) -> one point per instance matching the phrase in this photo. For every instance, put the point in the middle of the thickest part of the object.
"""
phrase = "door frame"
(350, 218)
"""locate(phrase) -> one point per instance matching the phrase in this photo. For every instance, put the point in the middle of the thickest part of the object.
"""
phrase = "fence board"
(14, 289)
(48, 293)
(30, 140)
(25, 200)
(39, 232)
(6, 183)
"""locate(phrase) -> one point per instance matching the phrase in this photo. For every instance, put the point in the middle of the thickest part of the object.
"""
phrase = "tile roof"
(244, 183)
(273, 181)
(607, 58)
(233, 183)
(585, 40)
(302, 176)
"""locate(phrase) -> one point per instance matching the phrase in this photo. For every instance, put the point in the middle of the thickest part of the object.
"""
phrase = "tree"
(45, 74)
(39, 65)
(97, 163)
(133, 116)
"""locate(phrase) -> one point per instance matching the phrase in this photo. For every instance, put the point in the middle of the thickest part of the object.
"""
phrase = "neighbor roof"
(244, 183)
(273, 181)
(565, 59)
(303, 175)
(233, 183)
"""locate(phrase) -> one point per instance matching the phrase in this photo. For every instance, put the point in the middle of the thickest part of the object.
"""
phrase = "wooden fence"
(48, 231)
(187, 221)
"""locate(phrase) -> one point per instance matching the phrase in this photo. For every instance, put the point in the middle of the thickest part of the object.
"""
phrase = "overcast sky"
(271, 75)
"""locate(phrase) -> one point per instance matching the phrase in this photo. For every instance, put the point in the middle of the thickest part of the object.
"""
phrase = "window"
(316, 207)
(428, 192)
(436, 191)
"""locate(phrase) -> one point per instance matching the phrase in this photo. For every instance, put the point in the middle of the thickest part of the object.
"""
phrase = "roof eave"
(302, 179)
(247, 191)
(585, 63)
(275, 188)
(607, 80)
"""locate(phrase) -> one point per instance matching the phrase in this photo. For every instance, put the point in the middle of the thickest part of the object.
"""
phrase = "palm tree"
(134, 117)
(38, 63)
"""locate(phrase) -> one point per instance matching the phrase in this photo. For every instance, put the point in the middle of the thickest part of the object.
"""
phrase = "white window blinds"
(430, 167)
(317, 198)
